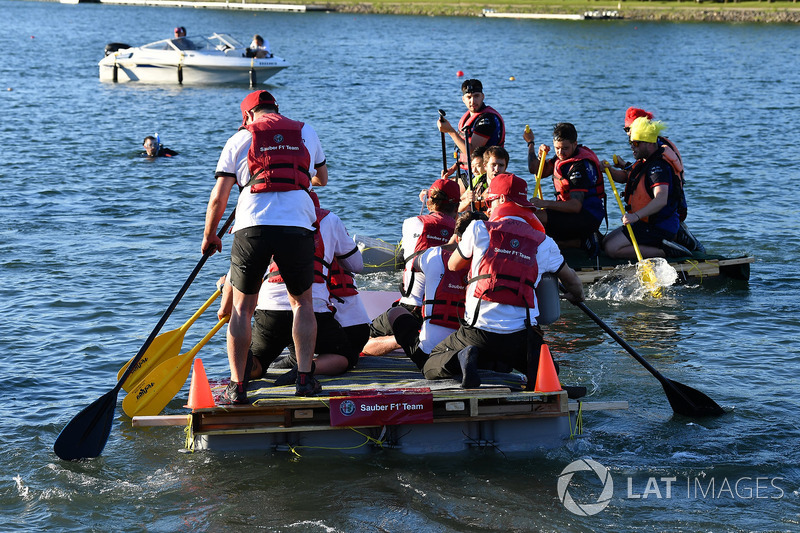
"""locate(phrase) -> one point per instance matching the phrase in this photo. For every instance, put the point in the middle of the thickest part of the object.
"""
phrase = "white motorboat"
(188, 60)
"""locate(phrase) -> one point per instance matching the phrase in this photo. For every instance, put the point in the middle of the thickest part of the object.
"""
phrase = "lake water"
(96, 241)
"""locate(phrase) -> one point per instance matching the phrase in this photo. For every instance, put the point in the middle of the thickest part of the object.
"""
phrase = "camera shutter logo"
(278, 138)
(585, 509)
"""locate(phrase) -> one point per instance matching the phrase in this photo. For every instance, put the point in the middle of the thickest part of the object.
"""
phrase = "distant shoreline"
(785, 12)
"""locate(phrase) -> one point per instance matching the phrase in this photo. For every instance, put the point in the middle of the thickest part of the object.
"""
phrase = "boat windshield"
(218, 41)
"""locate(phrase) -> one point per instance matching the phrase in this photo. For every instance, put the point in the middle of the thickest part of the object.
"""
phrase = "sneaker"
(592, 244)
(235, 394)
(673, 249)
(468, 359)
(688, 240)
(306, 384)
(287, 379)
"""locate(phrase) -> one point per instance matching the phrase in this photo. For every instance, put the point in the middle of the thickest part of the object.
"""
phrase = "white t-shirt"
(495, 317)
(254, 45)
(272, 296)
(290, 208)
(412, 229)
(350, 312)
(430, 262)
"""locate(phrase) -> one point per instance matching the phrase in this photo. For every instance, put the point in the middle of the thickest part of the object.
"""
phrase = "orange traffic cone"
(546, 377)
(200, 396)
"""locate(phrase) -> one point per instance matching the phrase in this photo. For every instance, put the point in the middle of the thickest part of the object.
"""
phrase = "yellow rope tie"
(578, 430)
(189, 444)
(695, 266)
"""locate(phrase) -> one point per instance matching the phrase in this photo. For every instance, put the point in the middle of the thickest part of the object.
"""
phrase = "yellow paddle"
(155, 391)
(542, 155)
(647, 275)
(163, 347)
(538, 190)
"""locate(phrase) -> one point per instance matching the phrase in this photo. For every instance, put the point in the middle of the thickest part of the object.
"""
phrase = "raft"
(385, 404)
(383, 256)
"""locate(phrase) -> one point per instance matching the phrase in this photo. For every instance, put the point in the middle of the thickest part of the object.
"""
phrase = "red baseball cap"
(633, 113)
(254, 99)
(449, 187)
(514, 188)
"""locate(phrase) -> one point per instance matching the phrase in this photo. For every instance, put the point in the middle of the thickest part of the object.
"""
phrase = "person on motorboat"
(153, 148)
(179, 32)
(419, 234)
(272, 321)
(481, 125)
(507, 257)
(443, 303)
(573, 219)
(274, 160)
(259, 47)
(652, 197)
(673, 157)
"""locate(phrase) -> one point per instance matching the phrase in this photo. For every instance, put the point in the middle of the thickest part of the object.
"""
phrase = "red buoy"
(460, 74)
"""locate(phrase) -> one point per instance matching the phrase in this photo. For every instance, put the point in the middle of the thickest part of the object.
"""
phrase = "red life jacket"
(508, 270)
(321, 267)
(468, 120)
(510, 209)
(672, 156)
(278, 159)
(437, 228)
(447, 305)
(561, 182)
(341, 282)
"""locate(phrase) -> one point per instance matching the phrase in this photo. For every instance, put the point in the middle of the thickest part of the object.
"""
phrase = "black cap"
(471, 86)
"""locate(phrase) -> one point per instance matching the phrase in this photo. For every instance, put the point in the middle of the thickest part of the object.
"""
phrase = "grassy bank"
(787, 12)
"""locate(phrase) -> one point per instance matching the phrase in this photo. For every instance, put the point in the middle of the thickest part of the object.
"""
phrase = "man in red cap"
(507, 257)
(419, 234)
(274, 161)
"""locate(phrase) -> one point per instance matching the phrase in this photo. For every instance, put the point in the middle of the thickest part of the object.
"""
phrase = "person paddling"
(507, 257)
(651, 197)
(574, 217)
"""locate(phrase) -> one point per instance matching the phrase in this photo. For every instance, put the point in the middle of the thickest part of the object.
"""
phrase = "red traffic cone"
(200, 396)
(546, 377)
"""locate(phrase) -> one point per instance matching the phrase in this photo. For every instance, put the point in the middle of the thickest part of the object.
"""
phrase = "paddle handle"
(444, 149)
(173, 305)
(622, 210)
(538, 190)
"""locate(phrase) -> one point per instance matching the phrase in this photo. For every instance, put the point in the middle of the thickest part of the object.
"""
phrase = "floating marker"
(460, 74)
(512, 78)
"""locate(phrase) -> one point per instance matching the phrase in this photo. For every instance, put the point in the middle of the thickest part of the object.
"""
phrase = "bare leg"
(304, 329)
(381, 345)
(240, 332)
(330, 364)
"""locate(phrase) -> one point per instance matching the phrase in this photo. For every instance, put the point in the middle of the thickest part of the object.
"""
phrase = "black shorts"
(254, 247)
(331, 338)
(566, 226)
(381, 327)
(648, 235)
(500, 352)
(272, 333)
(357, 335)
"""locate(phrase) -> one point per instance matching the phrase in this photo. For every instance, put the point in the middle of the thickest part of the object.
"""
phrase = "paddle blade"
(690, 402)
(155, 391)
(163, 347)
(648, 278)
(86, 434)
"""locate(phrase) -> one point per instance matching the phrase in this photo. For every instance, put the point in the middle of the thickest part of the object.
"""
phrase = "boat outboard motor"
(548, 300)
(115, 47)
